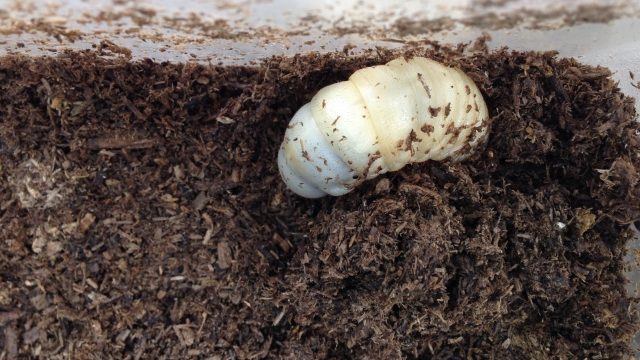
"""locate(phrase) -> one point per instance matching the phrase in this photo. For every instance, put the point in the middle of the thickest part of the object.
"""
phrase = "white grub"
(383, 118)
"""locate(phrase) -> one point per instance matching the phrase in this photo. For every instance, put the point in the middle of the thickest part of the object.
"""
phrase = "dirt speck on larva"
(426, 128)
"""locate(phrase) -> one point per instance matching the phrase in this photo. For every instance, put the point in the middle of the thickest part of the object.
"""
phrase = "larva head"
(381, 119)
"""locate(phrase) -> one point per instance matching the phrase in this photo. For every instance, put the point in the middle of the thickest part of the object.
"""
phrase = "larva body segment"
(383, 118)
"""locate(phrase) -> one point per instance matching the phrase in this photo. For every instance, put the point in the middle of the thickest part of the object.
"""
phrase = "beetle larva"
(381, 119)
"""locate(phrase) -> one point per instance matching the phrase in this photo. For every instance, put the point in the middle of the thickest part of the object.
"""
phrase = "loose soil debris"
(136, 224)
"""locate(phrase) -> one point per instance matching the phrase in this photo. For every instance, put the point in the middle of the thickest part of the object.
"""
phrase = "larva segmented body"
(381, 119)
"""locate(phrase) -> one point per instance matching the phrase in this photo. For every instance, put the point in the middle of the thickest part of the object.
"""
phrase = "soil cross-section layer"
(142, 216)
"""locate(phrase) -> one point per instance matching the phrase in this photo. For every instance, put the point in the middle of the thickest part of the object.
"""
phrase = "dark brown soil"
(142, 217)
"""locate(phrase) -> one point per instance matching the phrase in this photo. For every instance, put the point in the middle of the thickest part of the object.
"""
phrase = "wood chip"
(224, 255)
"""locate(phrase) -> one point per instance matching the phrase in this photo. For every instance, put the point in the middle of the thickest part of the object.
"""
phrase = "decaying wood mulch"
(142, 217)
